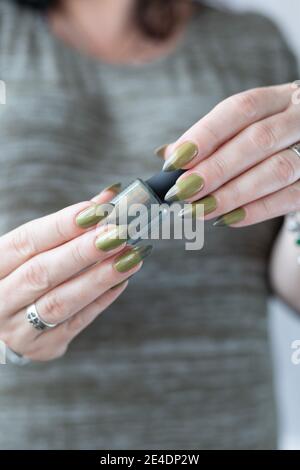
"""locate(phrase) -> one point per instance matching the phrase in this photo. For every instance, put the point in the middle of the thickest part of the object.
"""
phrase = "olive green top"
(181, 360)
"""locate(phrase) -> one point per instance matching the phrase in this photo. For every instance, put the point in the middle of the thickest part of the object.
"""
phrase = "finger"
(46, 271)
(250, 147)
(74, 295)
(274, 205)
(273, 174)
(225, 121)
(108, 193)
(40, 235)
(50, 344)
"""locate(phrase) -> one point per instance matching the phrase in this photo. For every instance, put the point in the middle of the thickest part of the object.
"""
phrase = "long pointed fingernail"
(132, 258)
(181, 156)
(231, 218)
(115, 188)
(92, 216)
(209, 204)
(112, 238)
(185, 188)
(160, 151)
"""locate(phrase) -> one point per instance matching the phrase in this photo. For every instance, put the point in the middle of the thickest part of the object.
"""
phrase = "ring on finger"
(296, 149)
(36, 321)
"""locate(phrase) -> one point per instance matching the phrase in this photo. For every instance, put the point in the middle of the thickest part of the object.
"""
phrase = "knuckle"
(246, 103)
(283, 169)
(37, 276)
(60, 228)
(220, 169)
(211, 133)
(103, 276)
(235, 192)
(78, 256)
(23, 243)
(266, 206)
(263, 136)
(53, 309)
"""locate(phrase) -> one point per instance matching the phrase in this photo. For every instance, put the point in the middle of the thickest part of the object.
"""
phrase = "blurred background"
(284, 323)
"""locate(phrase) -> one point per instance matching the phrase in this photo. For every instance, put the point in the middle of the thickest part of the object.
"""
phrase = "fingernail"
(112, 238)
(160, 151)
(231, 218)
(181, 156)
(209, 203)
(185, 188)
(91, 216)
(115, 188)
(132, 258)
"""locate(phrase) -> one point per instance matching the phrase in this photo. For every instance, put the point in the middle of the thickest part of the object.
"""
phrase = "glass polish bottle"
(148, 194)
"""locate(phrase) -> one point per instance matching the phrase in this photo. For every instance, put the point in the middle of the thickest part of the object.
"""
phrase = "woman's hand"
(70, 273)
(238, 158)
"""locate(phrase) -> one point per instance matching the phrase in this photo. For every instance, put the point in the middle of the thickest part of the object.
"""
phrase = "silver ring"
(296, 149)
(35, 320)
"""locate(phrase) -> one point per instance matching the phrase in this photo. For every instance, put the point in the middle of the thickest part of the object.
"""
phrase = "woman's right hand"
(70, 273)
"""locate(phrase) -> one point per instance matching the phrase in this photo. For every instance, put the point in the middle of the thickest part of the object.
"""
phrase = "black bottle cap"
(163, 181)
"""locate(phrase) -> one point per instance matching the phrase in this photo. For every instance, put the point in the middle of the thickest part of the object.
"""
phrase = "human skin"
(31, 269)
(244, 175)
(71, 293)
(241, 169)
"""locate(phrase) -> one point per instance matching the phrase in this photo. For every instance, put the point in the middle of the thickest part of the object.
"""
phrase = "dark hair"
(157, 19)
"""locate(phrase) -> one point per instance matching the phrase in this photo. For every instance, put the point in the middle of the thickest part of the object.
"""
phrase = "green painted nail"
(231, 218)
(113, 238)
(181, 156)
(209, 203)
(160, 151)
(91, 216)
(185, 188)
(115, 188)
(131, 258)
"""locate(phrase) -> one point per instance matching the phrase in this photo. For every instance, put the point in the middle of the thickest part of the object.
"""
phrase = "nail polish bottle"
(150, 194)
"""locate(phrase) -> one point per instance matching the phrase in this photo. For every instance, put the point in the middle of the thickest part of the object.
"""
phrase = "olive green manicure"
(231, 218)
(91, 216)
(112, 238)
(181, 156)
(131, 258)
(185, 188)
(209, 203)
(160, 151)
(115, 188)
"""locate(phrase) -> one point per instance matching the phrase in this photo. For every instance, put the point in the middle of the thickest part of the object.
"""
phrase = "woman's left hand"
(240, 166)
